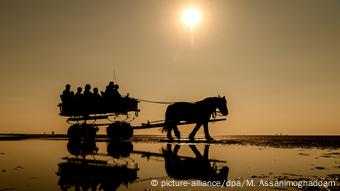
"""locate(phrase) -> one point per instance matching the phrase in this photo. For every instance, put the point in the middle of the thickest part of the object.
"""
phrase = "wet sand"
(32, 162)
(257, 140)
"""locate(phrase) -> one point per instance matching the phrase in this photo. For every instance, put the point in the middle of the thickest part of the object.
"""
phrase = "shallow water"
(39, 165)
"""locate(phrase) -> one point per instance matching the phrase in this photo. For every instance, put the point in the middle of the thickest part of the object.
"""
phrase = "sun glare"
(191, 17)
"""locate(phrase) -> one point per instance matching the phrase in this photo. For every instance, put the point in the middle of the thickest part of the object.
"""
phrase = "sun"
(191, 16)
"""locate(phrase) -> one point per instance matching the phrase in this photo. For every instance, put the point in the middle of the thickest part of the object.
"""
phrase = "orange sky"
(278, 62)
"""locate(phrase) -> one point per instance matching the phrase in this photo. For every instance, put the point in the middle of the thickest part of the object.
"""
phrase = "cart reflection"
(101, 172)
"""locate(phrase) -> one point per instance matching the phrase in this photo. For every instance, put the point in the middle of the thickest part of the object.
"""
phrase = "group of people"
(90, 101)
(110, 91)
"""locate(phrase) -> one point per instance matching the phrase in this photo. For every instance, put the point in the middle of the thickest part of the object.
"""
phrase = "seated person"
(78, 94)
(79, 99)
(67, 93)
(87, 99)
(67, 99)
(115, 91)
(96, 101)
(109, 91)
(96, 94)
(87, 91)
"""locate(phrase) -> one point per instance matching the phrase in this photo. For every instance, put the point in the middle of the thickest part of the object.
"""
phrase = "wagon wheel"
(119, 131)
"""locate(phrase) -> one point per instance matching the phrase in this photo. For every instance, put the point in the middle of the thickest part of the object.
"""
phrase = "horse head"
(222, 105)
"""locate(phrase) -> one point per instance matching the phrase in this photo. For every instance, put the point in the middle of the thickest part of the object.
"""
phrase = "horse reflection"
(200, 167)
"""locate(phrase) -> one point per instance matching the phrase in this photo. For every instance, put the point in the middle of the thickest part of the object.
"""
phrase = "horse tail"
(167, 126)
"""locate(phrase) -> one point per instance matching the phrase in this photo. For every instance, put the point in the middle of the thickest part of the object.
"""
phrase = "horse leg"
(194, 131)
(169, 136)
(206, 132)
(206, 152)
(176, 131)
(196, 151)
(169, 129)
(176, 149)
(169, 148)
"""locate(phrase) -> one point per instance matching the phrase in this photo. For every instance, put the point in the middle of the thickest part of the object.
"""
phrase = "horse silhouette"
(198, 112)
(200, 167)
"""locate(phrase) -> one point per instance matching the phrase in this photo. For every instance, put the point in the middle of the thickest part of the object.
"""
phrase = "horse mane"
(208, 104)
(206, 100)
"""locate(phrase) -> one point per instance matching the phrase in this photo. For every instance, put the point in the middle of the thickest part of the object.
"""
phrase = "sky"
(277, 62)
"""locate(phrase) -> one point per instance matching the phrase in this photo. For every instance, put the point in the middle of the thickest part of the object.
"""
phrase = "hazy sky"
(277, 61)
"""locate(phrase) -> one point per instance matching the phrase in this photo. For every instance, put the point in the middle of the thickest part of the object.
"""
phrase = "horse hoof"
(191, 138)
(178, 136)
(170, 139)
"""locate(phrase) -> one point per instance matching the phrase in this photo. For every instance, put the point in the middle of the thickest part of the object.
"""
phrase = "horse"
(198, 112)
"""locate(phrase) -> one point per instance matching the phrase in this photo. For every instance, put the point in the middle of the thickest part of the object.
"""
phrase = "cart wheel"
(127, 131)
(74, 132)
(88, 132)
(119, 131)
(112, 131)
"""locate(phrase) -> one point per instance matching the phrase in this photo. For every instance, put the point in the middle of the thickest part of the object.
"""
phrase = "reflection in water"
(92, 174)
(32, 164)
(88, 169)
(200, 167)
(82, 148)
(119, 149)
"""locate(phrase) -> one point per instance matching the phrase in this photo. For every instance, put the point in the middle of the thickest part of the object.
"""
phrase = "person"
(115, 91)
(96, 94)
(87, 99)
(87, 91)
(67, 93)
(96, 101)
(112, 98)
(67, 99)
(110, 89)
(78, 94)
(79, 100)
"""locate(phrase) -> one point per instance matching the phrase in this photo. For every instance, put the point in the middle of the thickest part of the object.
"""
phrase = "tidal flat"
(151, 163)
